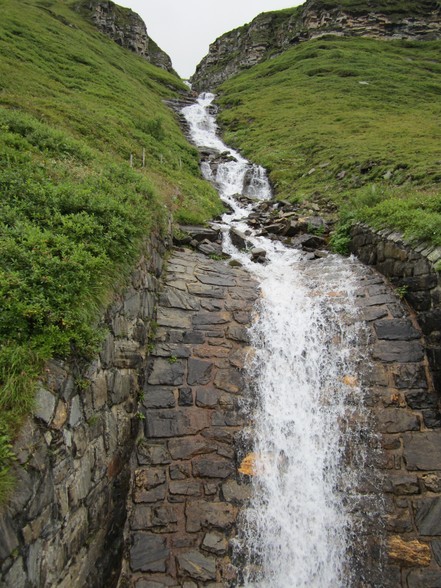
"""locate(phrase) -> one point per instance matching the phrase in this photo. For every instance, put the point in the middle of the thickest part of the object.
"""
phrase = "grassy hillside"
(73, 214)
(351, 120)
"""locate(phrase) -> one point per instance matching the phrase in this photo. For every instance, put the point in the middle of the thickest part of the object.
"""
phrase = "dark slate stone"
(8, 536)
(419, 300)
(430, 321)
(201, 514)
(163, 516)
(432, 418)
(421, 399)
(185, 487)
(422, 450)
(410, 376)
(238, 334)
(152, 454)
(188, 448)
(180, 471)
(402, 484)
(207, 397)
(213, 280)
(167, 423)
(424, 579)
(398, 351)
(148, 553)
(159, 397)
(215, 542)
(166, 373)
(397, 420)
(436, 547)
(211, 467)
(206, 291)
(173, 298)
(185, 397)
(230, 380)
(199, 371)
(194, 337)
(396, 330)
(197, 566)
(428, 516)
(204, 319)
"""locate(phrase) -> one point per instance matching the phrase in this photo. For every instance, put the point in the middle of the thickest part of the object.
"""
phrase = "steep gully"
(297, 453)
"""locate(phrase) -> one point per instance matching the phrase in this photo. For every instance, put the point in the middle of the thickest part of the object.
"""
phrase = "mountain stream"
(298, 529)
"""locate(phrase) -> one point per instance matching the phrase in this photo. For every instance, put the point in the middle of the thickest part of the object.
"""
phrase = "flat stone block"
(410, 376)
(422, 450)
(424, 578)
(201, 514)
(174, 423)
(215, 542)
(197, 566)
(212, 467)
(189, 448)
(159, 397)
(230, 380)
(397, 420)
(199, 371)
(172, 317)
(148, 553)
(428, 516)
(396, 330)
(185, 488)
(398, 351)
(166, 373)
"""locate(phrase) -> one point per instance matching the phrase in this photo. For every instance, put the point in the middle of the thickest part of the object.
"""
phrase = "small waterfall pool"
(297, 530)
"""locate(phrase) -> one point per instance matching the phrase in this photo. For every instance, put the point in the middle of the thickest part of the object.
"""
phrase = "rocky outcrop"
(127, 29)
(274, 32)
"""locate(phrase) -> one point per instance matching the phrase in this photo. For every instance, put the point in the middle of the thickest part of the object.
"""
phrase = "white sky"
(185, 28)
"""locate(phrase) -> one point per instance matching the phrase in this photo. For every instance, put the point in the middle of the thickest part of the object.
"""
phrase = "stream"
(298, 529)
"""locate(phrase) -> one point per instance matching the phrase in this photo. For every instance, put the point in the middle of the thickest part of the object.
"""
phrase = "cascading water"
(297, 529)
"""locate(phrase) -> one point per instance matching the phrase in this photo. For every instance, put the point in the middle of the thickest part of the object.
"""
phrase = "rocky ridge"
(126, 28)
(272, 33)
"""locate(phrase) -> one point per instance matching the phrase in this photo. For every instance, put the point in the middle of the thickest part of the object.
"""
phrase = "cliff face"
(127, 29)
(273, 32)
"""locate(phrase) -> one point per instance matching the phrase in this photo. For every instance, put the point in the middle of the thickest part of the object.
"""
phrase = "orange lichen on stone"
(409, 553)
(249, 465)
(350, 381)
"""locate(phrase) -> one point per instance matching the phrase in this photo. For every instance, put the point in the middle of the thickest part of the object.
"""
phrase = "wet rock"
(185, 397)
(197, 566)
(212, 467)
(396, 330)
(159, 397)
(422, 450)
(258, 255)
(239, 239)
(148, 553)
(424, 578)
(215, 543)
(200, 514)
(200, 233)
(189, 448)
(398, 351)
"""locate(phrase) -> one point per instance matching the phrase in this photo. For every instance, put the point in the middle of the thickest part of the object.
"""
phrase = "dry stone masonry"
(415, 271)
(63, 524)
(185, 488)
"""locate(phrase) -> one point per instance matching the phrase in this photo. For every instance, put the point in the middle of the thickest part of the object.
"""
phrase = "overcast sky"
(185, 28)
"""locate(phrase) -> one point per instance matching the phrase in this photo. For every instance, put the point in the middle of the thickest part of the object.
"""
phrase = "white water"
(297, 529)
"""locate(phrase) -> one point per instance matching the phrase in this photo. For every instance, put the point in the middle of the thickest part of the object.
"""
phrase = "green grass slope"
(354, 121)
(73, 214)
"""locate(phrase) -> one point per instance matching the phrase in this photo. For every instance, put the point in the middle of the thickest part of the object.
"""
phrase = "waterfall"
(297, 529)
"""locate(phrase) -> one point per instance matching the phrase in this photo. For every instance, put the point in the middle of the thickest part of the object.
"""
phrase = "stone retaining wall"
(412, 269)
(185, 487)
(63, 524)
